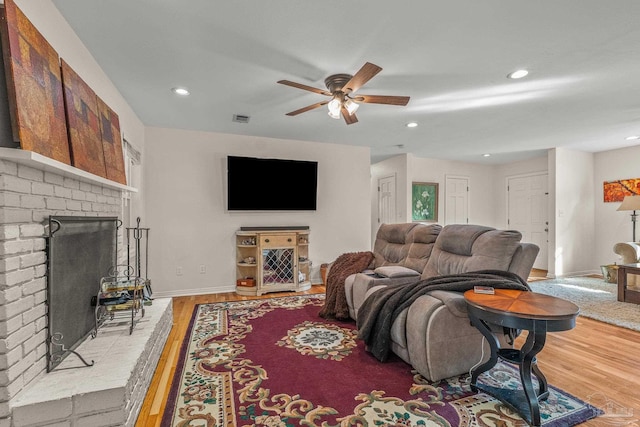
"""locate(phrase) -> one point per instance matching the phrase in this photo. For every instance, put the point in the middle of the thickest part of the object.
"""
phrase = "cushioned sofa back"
(461, 248)
(407, 244)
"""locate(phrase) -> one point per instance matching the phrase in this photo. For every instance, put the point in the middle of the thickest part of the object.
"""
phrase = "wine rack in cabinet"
(272, 260)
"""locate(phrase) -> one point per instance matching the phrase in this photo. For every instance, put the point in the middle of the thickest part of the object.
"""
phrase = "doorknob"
(546, 229)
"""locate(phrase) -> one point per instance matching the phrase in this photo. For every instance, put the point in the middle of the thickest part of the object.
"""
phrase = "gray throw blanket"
(380, 309)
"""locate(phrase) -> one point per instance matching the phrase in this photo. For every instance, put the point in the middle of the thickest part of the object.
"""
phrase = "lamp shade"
(630, 203)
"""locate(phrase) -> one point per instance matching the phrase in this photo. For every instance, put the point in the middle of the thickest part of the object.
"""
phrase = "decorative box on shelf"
(246, 282)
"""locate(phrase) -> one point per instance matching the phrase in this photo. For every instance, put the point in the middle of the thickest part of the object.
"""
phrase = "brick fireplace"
(31, 189)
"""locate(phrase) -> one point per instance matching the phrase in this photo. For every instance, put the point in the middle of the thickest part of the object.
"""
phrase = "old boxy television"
(264, 184)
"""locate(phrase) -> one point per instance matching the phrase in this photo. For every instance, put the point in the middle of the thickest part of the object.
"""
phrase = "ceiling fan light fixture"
(333, 115)
(351, 106)
(334, 107)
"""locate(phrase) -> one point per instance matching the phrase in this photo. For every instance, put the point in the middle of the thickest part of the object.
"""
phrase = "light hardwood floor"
(595, 361)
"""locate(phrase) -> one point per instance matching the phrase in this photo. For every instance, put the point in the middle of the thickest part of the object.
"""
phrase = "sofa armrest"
(357, 285)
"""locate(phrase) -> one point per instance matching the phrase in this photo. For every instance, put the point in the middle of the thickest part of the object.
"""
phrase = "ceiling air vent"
(239, 118)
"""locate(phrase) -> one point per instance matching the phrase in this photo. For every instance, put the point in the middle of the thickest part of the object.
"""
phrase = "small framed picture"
(424, 201)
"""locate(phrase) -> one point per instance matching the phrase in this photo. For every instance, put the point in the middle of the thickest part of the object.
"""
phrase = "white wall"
(574, 213)
(185, 198)
(396, 166)
(613, 226)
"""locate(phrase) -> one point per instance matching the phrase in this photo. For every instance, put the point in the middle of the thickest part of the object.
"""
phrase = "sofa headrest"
(407, 244)
(462, 248)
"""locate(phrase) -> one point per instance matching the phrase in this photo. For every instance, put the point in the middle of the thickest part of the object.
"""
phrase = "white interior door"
(527, 199)
(387, 200)
(456, 208)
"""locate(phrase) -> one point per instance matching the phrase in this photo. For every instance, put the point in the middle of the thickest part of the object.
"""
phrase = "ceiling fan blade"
(349, 118)
(307, 108)
(363, 75)
(382, 99)
(304, 87)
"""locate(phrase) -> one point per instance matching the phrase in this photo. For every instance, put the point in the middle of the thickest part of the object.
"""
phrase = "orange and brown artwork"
(614, 191)
(111, 143)
(34, 86)
(81, 104)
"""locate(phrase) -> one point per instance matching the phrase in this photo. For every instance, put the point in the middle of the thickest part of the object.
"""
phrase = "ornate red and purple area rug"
(276, 363)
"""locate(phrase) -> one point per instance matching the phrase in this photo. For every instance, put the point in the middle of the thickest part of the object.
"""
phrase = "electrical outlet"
(203, 269)
(178, 271)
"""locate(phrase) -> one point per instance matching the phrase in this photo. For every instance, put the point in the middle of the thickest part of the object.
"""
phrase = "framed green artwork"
(424, 201)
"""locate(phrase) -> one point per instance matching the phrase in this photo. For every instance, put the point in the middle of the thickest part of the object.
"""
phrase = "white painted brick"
(96, 189)
(5, 422)
(39, 244)
(34, 286)
(10, 295)
(9, 326)
(9, 199)
(63, 192)
(14, 388)
(13, 215)
(7, 376)
(100, 401)
(7, 167)
(91, 197)
(55, 203)
(9, 231)
(29, 173)
(13, 247)
(41, 216)
(41, 350)
(32, 230)
(53, 178)
(72, 183)
(34, 314)
(102, 199)
(7, 311)
(78, 195)
(85, 186)
(32, 259)
(40, 297)
(8, 264)
(30, 345)
(15, 184)
(32, 202)
(46, 411)
(5, 409)
(106, 419)
(10, 358)
(40, 324)
(17, 338)
(74, 205)
(40, 271)
(17, 276)
(42, 188)
(87, 206)
(35, 370)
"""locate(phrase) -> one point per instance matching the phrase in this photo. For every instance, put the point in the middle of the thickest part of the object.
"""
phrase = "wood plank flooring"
(596, 362)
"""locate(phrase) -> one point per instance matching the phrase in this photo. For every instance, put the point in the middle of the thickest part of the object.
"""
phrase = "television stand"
(272, 259)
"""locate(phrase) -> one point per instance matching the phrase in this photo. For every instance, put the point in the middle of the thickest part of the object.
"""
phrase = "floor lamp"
(631, 203)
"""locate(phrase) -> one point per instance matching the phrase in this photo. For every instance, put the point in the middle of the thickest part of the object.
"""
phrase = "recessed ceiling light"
(486, 155)
(180, 91)
(412, 125)
(518, 74)
(632, 137)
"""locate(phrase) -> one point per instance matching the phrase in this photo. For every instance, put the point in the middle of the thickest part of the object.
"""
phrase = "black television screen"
(256, 184)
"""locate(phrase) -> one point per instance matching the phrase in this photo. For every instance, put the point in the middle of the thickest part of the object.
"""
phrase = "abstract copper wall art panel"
(81, 105)
(111, 143)
(34, 86)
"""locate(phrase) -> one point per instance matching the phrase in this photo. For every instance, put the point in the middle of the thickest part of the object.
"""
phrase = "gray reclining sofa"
(434, 334)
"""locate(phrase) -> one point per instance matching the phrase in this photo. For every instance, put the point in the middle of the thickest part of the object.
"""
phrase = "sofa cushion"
(393, 271)
(465, 248)
(408, 244)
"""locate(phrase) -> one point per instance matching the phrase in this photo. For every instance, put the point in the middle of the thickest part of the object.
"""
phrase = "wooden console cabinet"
(272, 260)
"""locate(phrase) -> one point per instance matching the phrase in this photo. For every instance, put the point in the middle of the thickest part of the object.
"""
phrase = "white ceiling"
(450, 57)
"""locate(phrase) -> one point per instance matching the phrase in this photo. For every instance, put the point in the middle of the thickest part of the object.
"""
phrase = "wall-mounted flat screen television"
(260, 184)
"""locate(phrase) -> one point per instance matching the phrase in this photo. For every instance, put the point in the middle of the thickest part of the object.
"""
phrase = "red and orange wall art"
(614, 191)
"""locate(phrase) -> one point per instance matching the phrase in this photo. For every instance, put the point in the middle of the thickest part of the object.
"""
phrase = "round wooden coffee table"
(519, 310)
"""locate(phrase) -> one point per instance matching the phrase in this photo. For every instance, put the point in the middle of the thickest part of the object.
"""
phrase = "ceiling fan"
(341, 88)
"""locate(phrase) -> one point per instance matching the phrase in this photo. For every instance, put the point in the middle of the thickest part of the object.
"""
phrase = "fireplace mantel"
(38, 161)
